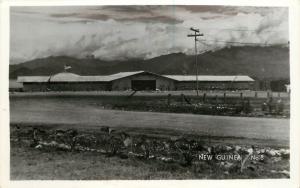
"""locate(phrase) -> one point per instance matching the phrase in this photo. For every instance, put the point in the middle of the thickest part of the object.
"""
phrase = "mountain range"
(270, 62)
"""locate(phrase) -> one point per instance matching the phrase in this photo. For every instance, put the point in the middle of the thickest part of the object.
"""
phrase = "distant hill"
(257, 62)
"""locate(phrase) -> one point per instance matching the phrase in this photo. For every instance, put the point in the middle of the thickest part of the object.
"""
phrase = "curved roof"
(64, 77)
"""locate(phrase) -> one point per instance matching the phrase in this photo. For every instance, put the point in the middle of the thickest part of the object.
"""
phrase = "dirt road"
(87, 115)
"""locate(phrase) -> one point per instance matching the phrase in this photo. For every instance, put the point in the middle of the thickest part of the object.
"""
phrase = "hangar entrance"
(143, 84)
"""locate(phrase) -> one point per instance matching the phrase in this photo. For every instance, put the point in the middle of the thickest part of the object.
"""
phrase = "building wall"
(191, 85)
(125, 84)
(65, 86)
(34, 87)
(161, 83)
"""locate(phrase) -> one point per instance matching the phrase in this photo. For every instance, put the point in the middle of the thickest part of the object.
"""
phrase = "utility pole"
(195, 35)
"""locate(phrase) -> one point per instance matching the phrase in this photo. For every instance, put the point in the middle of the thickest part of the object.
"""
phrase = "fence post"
(241, 95)
(204, 97)
(243, 105)
(182, 99)
(270, 104)
(255, 95)
(248, 106)
(224, 97)
(169, 99)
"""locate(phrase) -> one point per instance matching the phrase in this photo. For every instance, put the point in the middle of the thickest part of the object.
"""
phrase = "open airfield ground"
(87, 115)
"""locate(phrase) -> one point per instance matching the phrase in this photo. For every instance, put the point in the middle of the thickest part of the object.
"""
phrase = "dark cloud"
(226, 10)
(210, 17)
(96, 16)
(64, 15)
(229, 10)
(74, 21)
(84, 16)
(144, 14)
(133, 9)
(152, 19)
(132, 13)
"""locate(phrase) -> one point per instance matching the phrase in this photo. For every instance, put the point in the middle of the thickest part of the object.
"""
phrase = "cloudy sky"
(124, 32)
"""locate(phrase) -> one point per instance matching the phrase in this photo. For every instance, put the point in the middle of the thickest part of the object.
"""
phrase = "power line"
(229, 29)
(240, 29)
(203, 43)
(209, 50)
(235, 42)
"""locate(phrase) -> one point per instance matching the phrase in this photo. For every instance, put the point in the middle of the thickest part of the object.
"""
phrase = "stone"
(238, 148)
(64, 146)
(251, 167)
(261, 151)
(166, 159)
(53, 143)
(228, 148)
(285, 172)
(284, 151)
(127, 142)
(226, 165)
(250, 151)
(38, 146)
(277, 159)
(271, 152)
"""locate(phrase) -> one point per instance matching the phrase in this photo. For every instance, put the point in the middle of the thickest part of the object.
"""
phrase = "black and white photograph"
(149, 92)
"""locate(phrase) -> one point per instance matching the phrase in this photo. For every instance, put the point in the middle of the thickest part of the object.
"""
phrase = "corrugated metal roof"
(124, 74)
(71, 77)
(94, 79)
(238, 78)
(33, 78)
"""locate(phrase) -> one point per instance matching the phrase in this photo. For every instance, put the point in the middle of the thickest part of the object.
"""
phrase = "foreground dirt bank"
(39, 152)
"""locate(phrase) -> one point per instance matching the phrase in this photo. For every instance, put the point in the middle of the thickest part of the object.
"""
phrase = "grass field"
(213, 103)
(86, 114)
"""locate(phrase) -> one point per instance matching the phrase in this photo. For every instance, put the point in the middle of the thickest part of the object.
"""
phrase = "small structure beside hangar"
(15, 86)
(137, 80)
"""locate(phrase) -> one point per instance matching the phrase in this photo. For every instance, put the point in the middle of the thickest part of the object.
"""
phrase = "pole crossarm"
(195, 30)
(195, 35)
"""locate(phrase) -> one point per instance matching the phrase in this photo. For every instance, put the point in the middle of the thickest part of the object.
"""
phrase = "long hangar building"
(138, 80)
